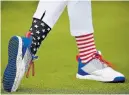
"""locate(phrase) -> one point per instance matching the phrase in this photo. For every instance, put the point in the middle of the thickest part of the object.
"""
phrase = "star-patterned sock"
(39, 31)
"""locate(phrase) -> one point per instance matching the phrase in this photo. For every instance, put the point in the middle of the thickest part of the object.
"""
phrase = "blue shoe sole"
(117, 80)
(10, 71)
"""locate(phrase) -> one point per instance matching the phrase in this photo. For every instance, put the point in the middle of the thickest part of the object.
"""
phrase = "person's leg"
(22, 50)
(44, 19)
(91, 64)
(82, 28)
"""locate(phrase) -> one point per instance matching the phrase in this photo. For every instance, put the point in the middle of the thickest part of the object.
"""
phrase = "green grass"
(56, 66)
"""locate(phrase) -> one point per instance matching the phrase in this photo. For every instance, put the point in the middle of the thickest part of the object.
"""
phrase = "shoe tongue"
(28, 35)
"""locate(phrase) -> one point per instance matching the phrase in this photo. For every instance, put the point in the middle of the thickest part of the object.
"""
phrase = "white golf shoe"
(98, 69)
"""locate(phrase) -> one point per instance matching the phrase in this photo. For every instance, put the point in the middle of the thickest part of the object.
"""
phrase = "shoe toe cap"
(119, 79)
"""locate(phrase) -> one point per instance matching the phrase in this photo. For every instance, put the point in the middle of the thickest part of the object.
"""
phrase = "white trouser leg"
(52, 9)
(80, 17)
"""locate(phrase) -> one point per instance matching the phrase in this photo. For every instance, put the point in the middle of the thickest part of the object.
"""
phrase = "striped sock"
(86, 46)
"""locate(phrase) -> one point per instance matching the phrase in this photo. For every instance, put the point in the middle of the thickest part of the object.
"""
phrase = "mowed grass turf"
(56, 67)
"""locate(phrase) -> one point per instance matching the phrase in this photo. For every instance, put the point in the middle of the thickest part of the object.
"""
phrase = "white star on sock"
(43, 36)
(37, 32)
(43, 30)
(30, 29)
(34, 49)
(48, 29)
(35, 21)
(42, 24)
(36, 26)
(34, 43)
(34, 38)
(38, 38)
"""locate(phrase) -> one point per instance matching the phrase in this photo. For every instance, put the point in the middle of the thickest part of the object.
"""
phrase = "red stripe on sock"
(86, 47)
(87, 50)
(84, 35)
(86, 43)
(87, 57)
(84, 39)
(87, 54)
